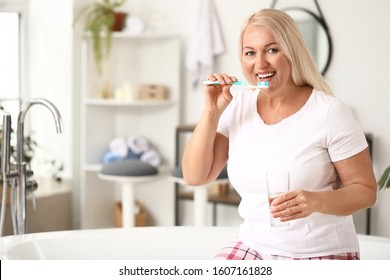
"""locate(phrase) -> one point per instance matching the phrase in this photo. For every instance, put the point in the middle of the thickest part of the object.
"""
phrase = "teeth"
(262, 76)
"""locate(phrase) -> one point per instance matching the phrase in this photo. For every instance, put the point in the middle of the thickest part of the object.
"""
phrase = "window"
(10, 58)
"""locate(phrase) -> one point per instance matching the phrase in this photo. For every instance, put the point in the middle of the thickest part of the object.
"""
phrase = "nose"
(261, 61)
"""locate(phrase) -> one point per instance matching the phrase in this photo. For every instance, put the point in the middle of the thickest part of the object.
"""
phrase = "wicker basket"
(140, 218)
(8, 195)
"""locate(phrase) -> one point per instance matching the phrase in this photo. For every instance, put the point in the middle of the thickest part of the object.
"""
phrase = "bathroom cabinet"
(135, 60)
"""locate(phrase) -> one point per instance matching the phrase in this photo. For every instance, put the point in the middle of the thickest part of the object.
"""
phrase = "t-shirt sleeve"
(345, 136)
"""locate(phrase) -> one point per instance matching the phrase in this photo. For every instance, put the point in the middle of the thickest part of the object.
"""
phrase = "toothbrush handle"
(218, 83)
(239, 83)
(211, 83)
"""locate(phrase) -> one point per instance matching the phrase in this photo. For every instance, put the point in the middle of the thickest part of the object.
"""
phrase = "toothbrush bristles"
(263, 84)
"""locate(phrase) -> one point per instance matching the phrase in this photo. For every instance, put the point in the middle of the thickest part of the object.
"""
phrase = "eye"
(249, 53)
(272, 50)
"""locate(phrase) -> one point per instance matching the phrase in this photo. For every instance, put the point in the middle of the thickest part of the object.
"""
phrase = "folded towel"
(152, 157)
(132, 155)
(110, 157)
(118, 147)
(207, 42)
(138, 144)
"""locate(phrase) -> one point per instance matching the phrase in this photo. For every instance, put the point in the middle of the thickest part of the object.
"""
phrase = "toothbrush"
(240, 83)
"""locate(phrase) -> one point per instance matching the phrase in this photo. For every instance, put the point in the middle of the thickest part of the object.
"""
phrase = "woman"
(295, 124)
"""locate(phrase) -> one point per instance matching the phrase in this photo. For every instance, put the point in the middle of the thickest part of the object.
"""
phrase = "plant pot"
(120, 21)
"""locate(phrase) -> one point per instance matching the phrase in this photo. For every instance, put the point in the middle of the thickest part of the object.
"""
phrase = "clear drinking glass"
(278, 183)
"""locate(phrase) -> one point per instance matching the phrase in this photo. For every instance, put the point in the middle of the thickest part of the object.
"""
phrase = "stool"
(128, 173)
(200, 194)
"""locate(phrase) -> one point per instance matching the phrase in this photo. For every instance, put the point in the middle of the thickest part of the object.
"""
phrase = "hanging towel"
(207, 42)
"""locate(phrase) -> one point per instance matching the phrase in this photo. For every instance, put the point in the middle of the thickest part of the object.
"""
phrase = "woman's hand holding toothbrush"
(202, 159)
(218, 96)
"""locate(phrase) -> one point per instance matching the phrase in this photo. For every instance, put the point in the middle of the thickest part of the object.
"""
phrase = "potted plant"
(384, 181)
(100, 19)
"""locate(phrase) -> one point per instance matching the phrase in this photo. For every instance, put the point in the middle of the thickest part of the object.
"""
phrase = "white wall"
(357, 73)
(49, 58)
(359, 76)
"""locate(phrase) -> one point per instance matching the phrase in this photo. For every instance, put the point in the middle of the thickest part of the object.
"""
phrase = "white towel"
(207, 42)
(118, 147)
(138, 145)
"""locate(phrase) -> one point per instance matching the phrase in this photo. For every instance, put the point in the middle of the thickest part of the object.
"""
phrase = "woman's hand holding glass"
(296, 204)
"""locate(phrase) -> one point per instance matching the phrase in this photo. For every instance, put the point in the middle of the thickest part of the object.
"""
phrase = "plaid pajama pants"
(236, 250)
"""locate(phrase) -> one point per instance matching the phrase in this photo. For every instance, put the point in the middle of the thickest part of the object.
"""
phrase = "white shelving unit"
(143, 59)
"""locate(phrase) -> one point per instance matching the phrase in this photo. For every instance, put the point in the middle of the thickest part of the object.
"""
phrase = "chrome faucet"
(5, 158)
(21, 165)
(19, 198)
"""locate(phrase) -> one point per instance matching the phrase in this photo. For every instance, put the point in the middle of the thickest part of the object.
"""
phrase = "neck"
(276, 106)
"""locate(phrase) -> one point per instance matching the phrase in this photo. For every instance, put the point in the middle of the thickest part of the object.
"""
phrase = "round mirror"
(316, 35)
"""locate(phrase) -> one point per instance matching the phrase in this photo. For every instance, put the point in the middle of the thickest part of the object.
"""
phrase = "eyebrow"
(273, 43)
(266, 46)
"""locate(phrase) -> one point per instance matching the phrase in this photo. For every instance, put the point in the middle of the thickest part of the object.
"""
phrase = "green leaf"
(98, 20)
(384, 181)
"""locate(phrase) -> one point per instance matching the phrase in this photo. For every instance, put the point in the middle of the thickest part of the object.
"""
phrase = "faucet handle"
(32, 186)
(29, 173)
(5, 146)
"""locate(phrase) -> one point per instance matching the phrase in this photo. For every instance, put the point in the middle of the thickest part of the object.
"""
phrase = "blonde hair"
(286, 32)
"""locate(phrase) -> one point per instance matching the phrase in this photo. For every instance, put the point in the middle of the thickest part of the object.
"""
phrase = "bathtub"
(143, 243)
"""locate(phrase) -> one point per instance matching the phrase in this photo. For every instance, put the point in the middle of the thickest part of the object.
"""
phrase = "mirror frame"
(323, 24)
(321, 20)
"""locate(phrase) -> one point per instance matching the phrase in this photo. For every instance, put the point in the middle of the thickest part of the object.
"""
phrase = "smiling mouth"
(265, 76)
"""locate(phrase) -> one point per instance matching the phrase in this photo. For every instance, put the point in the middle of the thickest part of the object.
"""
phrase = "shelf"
(144, 35)
(133, 61)
(229, 198)
(93, 168)
(130, 103)
(47, 187)
(125, 35)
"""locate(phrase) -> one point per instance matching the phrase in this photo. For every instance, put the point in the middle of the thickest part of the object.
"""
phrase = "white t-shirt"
(305, 144)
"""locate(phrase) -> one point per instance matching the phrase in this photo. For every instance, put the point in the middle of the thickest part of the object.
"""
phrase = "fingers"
(222, 78)
(293, 205)
(291, 213)
(284, 210)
